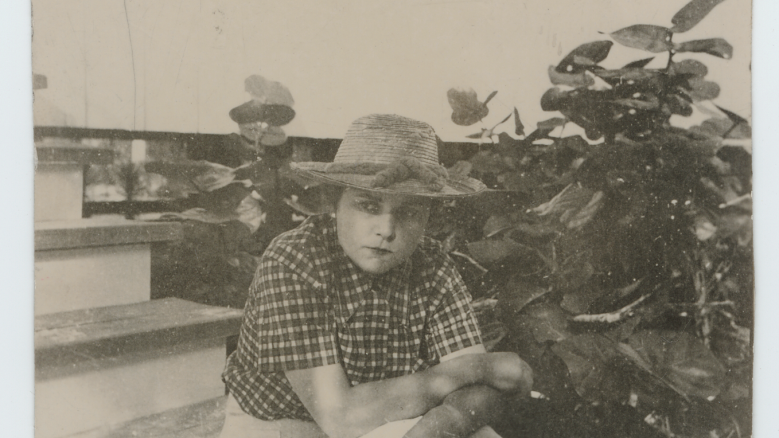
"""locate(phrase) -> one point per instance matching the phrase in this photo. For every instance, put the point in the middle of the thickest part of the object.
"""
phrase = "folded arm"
(346, 411)
(467, 410)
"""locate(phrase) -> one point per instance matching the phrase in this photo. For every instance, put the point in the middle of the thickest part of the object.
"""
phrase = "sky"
(181, 63)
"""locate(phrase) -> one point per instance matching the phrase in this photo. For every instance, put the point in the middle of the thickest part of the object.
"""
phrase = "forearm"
(461, 414)
(346, 411)
(466, 410)
(372, 404)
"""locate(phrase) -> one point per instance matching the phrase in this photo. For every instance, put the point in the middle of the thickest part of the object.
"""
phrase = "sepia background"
(189, 83)
(182, 63)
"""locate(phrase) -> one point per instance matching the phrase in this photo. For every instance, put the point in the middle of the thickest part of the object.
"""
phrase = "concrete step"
(96, 368)
(86, 263)
(200, 420)
(59, 179)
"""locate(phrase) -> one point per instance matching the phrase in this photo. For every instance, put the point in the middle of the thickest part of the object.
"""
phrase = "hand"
(507, 372)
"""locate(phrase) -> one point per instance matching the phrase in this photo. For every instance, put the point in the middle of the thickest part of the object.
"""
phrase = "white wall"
(341, 59)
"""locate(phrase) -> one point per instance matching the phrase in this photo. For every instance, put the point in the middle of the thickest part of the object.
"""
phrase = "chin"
(377, 267)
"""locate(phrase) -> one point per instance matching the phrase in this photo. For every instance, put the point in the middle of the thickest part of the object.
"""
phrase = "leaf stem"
(470, 259)
(613, 316)
(670, 55)
(500, 123)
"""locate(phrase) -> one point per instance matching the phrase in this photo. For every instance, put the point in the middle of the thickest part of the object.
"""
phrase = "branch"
(735, 201)
(470, 259)
(613, 316)
(695, 306)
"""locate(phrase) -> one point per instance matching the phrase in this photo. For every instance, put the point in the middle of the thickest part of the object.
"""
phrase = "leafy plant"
(245, 196)
(621, 264)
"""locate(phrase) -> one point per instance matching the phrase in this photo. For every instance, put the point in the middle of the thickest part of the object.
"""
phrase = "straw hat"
(390, 153)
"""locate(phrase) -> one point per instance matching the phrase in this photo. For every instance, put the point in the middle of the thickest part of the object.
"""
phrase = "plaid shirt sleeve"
(453, 324)
(295, 319)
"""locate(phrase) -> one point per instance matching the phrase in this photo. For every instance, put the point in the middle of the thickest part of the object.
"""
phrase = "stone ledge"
(80, 233)
(114, 331)
(200, 420)
(74, 154)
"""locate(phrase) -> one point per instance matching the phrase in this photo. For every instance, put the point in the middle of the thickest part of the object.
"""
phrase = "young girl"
(356, 322)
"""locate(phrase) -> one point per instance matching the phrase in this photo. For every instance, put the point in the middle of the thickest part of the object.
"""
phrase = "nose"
(385, 226)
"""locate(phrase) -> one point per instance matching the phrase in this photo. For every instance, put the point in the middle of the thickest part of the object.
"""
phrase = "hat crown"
(391, 153)
(386, 138)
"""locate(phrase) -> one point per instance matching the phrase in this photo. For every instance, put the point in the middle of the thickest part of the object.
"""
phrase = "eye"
(368, 206)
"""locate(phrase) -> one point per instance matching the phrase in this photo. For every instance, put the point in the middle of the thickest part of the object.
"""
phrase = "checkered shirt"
(310, 305)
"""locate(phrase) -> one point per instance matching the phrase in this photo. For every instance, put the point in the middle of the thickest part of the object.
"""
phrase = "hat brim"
(455, 186)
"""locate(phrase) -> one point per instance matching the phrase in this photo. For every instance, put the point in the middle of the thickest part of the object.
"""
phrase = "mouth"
(379, 251)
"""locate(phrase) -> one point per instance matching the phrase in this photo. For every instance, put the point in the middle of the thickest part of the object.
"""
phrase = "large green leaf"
(626, 74)
(573, 142)
(555, 99)
(550, 124)
(737, 225)
(572, 197)
(678, 105)
(591, 359)
(496, 224)
(273, 136)
(579, 300)
(491, 251)
(249, 212)
(737, 119)
(680, 359)
(262, 133)
(575, 275)
(518, 293)
(704, 228)
(649, 104)
(713, 46)
(268, 92)
(202, 215)
(692, 13)
(647, 37)
(230, 204)
(255, 111)
(466, 107)
(199, 176)
(519, 128)
(641, 63)
(223, 202)
(259, 172)
(584, 57)
(717, 127)
(689, 67)
(576, 80)
(541, 229)
(703, 90)
(547, 321)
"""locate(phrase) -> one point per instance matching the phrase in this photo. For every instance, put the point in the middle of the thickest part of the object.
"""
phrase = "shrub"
(620, 265)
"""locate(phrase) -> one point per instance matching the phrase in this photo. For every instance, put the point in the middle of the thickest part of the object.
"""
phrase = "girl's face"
(379, 231)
